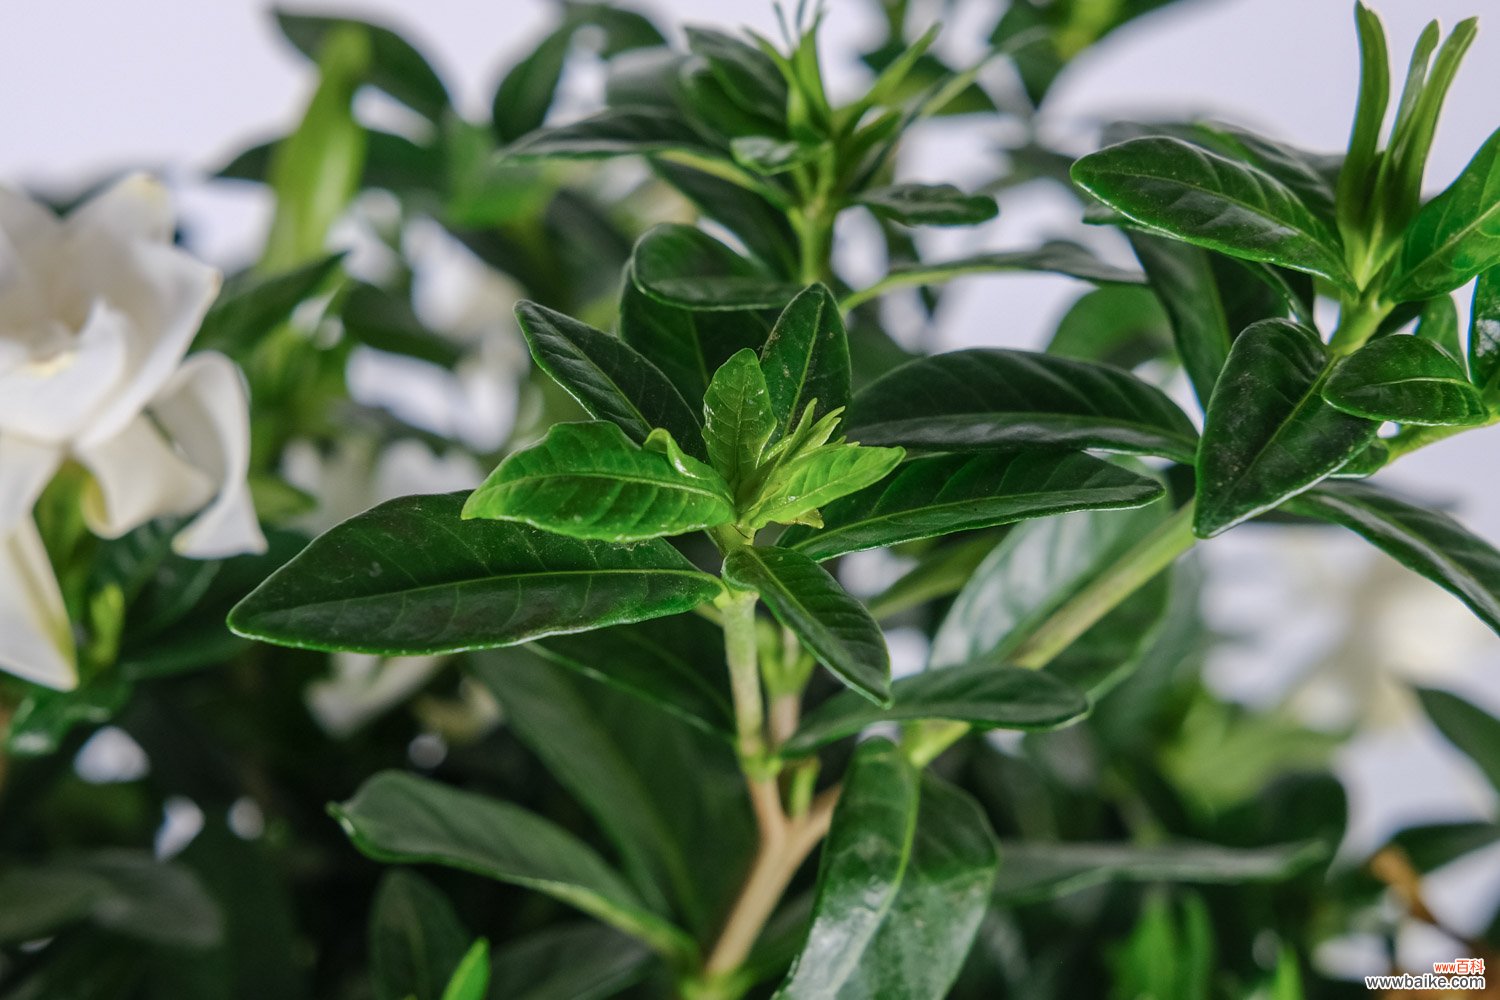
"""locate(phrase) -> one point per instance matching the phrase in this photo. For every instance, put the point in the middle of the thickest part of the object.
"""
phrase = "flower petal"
(364, 687)
(137, 476)
(38, 639)
(26, 224)
(26, 466)
(136, 207)
(205, 408)
(52, 399)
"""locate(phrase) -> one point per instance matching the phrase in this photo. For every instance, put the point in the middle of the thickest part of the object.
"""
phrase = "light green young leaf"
(588, 480)
(471, 980)
(1356, 185)
(738, 422)
(798, 487)
(1193, 194)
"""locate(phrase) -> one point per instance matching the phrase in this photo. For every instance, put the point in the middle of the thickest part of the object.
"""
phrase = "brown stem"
(786, 710)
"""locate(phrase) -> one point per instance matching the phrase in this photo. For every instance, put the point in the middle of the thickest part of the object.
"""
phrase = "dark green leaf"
(675, 663)
(1120, 325)
(928, 205)
(1426, 541)
(410, 576)
(588, 480)
(615, 132)
(609, 378)
(829, 623)
(395, 66)
(685, 267)
(1269, 434)
(1484, 332)
(1468, 727)
(471, 980)
(1434, 845)
(985, 694)
(1036, 871)
(738, 422)
(1457, 234)
(403, 819)
(1192, 194)
(688, 346)
(949, 493)
(1406, 379)
(1183, 279)
(807, 357)
(991, 398)
(525, 93)
(378, 319)
(759, 225)
(252, 305)
(416, 940)
(579, 962)
(1438, 325)
(747, 75)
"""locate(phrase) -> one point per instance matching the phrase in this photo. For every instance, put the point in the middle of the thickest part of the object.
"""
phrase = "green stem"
(814, 243)
(1358, 322)
(744, 678)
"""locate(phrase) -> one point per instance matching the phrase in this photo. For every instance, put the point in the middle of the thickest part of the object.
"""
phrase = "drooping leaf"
(948, 493)
(830, 624)
(928, 205)
(687, 268)
(416, 940)
(797, 488)
(1268, 433)
(1456, 235)
(1036, 870)
(738, 421)
(629, 131)
(807, 357)
(577, 961)
(396, 67)
(687, 345)
(1468, 727)
(589, 481)
(608, 377)
(1406, 379)
(410, 576)
(403, 819)
(1183, 279)
(1192, 194)
(1055, 257)
(1426, 541)
(985, 694)
(994, 398)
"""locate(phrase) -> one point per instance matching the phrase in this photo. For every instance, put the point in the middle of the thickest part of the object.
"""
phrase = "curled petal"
(36, 640)
(26, 225)
(137, 207)
(138, 476)
(52, 397)
(26, 466)
(205, 408)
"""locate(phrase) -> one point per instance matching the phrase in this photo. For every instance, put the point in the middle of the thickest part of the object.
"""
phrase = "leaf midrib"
(680, 485)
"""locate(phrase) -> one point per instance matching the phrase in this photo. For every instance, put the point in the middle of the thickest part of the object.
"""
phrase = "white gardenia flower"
(96, 313)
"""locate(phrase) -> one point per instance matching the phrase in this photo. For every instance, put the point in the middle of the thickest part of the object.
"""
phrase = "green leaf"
(378, 319)
(1434, 845)
(526, 91)
(905, 878)
(1427, 541)
(1456, 235)
(687, 268)
(471, 979)
(410, 577)
(770, 157)
(1296, 168)
(1183, 279)
(1055, 257)
(1438, 325)
(588, 480)
(738, 422)
(579, 962)
(984, 694)
(806, 358)
(608, 377)
(928, 205)
(1269, 434)
(675, 663)
(251, 304)
(830, 624)
(949, 493)
(1468, 727)
(403, 819)
(1484, 332)
(416, 940)
(757, 222)
(614, 132)
(1036, 870)
(1406, 379)
(395, 66)
(1356, 183)
(748, 76)
(993, 398)
(687, 345)
(1192, 194)
(799, 486)
(1120, 325)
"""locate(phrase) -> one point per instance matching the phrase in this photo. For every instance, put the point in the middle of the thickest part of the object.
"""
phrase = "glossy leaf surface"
(929, 205)
(687, 345)
(795, 490)
(1484, 332)
(685, 267)
(829, 623)
(1269, 434)
(1406, 379)
(1457, 234)
(993, 398)
(1183, 279)
(807, 357)
(738, 421)
(410, 576)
